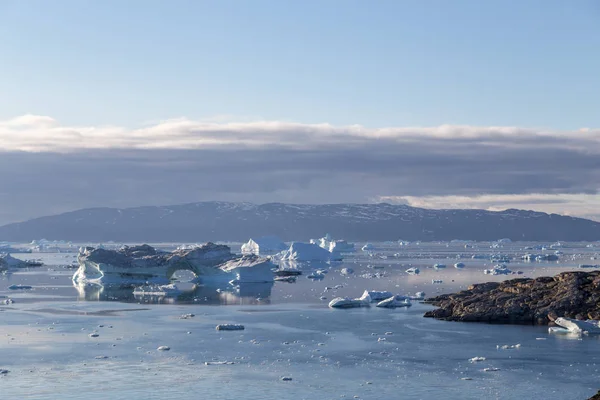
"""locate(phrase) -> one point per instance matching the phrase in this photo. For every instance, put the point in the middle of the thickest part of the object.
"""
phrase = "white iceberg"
(578, 326)
(266, 245)
(146, 265)
(339, 246)
(498, 270)
(7, 261)
(309, 252)
(373, 295)
(394, 302)
(346, 302)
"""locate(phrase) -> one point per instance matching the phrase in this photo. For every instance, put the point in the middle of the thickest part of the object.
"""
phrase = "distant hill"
(221, 221)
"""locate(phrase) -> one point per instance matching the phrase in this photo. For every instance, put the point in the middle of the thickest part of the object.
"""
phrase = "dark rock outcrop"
(523, 301)
(596, 396)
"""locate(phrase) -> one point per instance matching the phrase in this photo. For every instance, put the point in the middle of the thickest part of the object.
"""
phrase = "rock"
(523, 301)
(596, 396)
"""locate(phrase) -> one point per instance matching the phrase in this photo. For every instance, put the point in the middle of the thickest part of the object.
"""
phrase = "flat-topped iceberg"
(308, 252)
(266, 245)
(144, 264)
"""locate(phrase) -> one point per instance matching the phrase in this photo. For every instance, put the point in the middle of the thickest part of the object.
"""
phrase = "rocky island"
(525, 301)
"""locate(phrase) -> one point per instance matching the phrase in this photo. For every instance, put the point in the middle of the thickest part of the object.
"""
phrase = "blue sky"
(454, 104)
(375, 63)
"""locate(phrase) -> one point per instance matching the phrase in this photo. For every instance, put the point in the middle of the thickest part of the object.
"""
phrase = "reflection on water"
(242, 293)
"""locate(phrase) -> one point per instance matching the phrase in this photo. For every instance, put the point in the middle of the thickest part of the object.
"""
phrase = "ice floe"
(577, 326)
(395, 302)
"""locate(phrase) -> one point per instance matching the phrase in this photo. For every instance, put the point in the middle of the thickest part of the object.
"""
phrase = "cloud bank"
(48, 167)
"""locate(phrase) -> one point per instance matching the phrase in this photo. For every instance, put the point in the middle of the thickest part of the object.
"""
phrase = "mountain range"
(223, 221)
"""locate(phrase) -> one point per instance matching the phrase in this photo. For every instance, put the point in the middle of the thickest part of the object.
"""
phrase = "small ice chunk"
(219, 363)
(4, 371)
(491, 369)
(163, 348)
(459, 265)
(230, 327)
(476, 359)
(286, 378)
(20, 287)
(439, 266)
(347, 271)
(577, 326)
(93, 334)
(413, 271)
(436, 281)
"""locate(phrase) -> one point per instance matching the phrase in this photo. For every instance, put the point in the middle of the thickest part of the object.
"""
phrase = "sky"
(440, 104)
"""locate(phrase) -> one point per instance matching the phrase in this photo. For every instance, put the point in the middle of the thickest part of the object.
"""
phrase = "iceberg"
(308, 252)
(249, 269)
(498, 270)
(394, 302)
(578, 326)
(146, 265)
(374, 295)
(327, 243)
(346, 302)
(7, 261)
(266, 245)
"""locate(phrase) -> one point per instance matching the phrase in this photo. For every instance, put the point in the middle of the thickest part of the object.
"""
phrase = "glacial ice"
(266, 245)
(498, 270)
(394, 302)
(578, 326)
(346, 302)
(310, 252)
(7, 261)
(339, 246)
(374, 295)
(146, 265)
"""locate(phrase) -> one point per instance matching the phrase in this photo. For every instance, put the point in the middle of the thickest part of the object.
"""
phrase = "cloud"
(33, 133)
(584, 205)
(48, 167)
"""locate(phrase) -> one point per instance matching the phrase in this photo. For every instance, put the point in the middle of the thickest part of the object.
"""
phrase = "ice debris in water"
(4, 371)
(476, 359)
(437, 281)
(413, 271)
(508, 346)
(286, 378)
(491, 369)
(187, 316)
(459, 265)
(163, 348)
(219, 363)
(20, 287)
(93, 334)
(346, 271)
(230, 327)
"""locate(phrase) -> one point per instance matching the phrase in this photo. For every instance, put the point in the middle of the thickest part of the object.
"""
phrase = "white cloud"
(34, 133)
(581, 205)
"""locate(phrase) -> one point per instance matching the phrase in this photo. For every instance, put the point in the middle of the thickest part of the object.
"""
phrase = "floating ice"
(476, 359)
(368, 247)
(459, 265)
(230, 327)
(219, 363)
(413, 271)
(577, 326)
(394, 302)
(308, 252)
(491, 369)
(266, 245)
(498, 270)
(508, 346)
(437, 281)
(439, 266)
(20, 287)
(163, 348)
(346, 271)
(374, 295)
(345, 302)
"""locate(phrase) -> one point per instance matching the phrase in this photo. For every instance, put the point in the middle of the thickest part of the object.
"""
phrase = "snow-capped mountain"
(220, 221)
